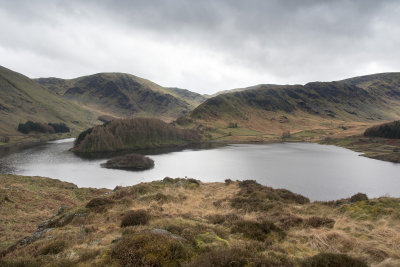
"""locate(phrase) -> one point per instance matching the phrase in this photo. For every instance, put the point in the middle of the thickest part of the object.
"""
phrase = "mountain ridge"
(124, 95)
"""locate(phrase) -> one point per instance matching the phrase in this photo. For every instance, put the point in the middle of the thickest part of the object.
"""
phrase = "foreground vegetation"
(184, 222)
(27, 201)
(132, 134)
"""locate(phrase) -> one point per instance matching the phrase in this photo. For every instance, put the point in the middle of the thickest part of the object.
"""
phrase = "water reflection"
(317, 171)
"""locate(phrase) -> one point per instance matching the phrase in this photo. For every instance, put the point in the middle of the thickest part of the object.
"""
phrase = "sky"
(204, 46)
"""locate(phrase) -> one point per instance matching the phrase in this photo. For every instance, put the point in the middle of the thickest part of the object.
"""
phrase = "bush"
(99, 204)
(359, 197)
(132, 161)
(150, 249)
(256, 230)
(31, 126)
(220, 219)
(317, 222)
(228, 181)
(290, 221)
(53, 248)
(59, 127)
(252, 189)
(387, 130)
(332, 260)
(4, 139)
(232, 125)
(135, 217)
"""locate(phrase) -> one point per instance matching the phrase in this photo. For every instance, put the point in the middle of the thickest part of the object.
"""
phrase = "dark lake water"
(319, 172)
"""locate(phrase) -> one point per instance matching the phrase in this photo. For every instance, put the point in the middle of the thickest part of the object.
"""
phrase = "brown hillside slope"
(23, 99)
(313, 111)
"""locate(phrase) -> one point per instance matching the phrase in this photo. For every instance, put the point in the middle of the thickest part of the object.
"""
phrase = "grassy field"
(183, 222)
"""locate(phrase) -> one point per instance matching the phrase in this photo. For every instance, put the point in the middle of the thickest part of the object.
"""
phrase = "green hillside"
(269, 110)
(23, 99)
(124, 95)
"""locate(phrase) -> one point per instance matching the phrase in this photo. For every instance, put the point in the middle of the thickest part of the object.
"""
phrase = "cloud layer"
(204, 46)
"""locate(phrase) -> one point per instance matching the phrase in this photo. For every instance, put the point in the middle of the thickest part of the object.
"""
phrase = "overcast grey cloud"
(204, 46)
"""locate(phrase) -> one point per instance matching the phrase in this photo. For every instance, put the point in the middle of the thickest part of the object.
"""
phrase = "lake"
(319, 172)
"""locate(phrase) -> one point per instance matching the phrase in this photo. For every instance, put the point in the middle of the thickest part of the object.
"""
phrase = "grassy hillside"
(313, 111)
(26, 202)
(184, 222)
(23, 99)
(124, 95)
(133, 134)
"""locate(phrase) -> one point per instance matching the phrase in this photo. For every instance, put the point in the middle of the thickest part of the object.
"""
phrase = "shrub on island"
(133, 161)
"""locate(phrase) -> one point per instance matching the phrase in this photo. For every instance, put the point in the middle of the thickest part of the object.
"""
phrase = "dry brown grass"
(27, 201)
(202, 220)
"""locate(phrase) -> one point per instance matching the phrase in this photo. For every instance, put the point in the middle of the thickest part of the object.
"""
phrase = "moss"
(209, 240)
(373, 209)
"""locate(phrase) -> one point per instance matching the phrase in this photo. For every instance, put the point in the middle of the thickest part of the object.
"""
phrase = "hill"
(184, 222)
(132, 134)
(314, 110)
(22, 99)
(124, 95)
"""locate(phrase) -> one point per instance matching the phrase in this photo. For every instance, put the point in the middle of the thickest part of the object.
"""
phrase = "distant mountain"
(124, 95)
(239, 90)
(385, 85)
(272, 109)
(23, 99)
(192, 98)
